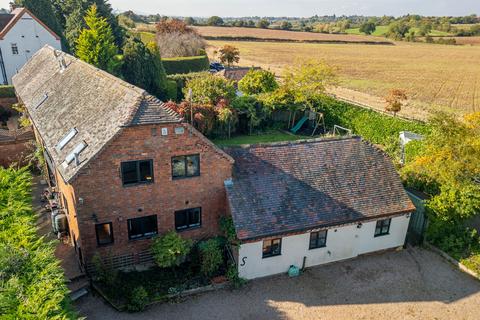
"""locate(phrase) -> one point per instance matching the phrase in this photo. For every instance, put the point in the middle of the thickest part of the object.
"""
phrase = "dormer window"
(14, 48)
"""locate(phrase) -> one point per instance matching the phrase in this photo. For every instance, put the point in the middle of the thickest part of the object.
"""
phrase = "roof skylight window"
(66, 139)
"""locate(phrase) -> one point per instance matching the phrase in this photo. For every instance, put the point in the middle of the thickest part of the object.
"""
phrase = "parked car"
(216, 66)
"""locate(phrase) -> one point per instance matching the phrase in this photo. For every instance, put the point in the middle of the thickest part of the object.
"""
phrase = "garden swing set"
(314, 119)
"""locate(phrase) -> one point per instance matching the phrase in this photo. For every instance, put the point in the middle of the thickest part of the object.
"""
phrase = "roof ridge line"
(293, 142)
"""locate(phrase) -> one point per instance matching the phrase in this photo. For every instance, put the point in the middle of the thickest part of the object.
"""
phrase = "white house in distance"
(312, 202)
(22, 35)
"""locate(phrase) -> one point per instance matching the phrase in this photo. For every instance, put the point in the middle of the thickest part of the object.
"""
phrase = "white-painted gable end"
(20, 39)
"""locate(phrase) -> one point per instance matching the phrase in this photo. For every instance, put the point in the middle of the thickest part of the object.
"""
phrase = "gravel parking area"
(409, 284)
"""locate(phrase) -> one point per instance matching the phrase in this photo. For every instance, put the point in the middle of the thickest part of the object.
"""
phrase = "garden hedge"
(373, 126)
(7, 92)
(181, 81)
(185, 64)
(32, 283)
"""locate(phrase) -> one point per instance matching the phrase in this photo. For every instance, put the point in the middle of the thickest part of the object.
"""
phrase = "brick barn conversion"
(127, 168)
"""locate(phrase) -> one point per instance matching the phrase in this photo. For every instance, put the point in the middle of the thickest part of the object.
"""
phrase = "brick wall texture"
(105, 199)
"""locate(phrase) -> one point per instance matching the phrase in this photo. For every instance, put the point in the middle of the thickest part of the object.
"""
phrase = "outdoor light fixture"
(94, 217)
(80, 200)
(359, 226)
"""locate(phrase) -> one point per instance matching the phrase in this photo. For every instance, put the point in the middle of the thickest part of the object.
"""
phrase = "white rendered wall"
(30, 36)
(342, 243)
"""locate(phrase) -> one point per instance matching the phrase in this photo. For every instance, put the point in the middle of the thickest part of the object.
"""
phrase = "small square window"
(188, 219)
(383, 227)
(136, 172)
(185, 166)
(272, 248)
(104, 233)
(318, 239)
(14, 48)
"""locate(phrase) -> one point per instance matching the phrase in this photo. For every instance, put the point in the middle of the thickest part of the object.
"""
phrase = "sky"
(297, 8)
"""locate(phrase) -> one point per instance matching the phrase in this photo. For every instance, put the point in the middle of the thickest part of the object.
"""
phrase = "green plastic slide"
(299, 124)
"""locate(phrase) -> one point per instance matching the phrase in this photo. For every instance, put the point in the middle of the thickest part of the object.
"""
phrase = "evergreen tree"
(95, 44)
(73, 12)
(143, 67)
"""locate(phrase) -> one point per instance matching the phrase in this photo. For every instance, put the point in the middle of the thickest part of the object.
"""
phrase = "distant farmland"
(234, 32)
(436, 77)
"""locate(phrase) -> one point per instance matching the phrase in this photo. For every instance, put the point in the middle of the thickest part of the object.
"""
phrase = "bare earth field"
(283, 34)
(436, 77)
(406, 285)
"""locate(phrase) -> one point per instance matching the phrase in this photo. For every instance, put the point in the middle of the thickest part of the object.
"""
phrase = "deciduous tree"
(257, 82)
(368, 27)
(229, 54)
(215, 21)
(394, 100)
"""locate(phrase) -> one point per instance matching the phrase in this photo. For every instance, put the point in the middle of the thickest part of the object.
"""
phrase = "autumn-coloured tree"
(174, 25)
(395, 100)
(229, 54)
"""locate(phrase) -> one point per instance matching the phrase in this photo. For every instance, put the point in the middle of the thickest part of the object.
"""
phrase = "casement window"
(104, 233)
(318, 239)
(383, 227)
(188, 219)
(142, 227)
(14, 48)
(137, 172)
(185, 166)
(272, 248)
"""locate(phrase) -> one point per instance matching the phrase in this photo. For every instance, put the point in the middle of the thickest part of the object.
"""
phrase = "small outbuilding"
(312, 202)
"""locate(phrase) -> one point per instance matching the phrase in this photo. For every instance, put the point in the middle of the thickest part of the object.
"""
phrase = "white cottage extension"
(21, 36)
(313, 202)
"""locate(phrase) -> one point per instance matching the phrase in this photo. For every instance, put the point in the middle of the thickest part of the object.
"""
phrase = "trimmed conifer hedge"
(185, 64)
(32, 283)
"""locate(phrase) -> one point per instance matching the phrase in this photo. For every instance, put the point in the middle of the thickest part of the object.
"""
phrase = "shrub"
(138, 299)
(170, 249)
(258, 81)
(210, 89)
(7, 92)
(182, 79)
(171, 90)
(210, 257)
(228, 229)
(104, 272)
(181, 65)
(232, 275)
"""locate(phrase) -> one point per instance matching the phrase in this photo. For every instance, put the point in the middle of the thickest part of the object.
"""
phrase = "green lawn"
(381, 30)
(271, 136)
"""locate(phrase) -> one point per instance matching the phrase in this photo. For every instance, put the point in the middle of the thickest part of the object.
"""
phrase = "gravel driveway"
(409, 284)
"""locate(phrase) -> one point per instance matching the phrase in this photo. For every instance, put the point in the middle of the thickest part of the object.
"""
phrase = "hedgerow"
(32, 284)
(7, 92)
(185, 64)
(373, 126)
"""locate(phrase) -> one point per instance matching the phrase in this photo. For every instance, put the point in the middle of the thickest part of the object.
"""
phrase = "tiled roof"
(5, 19)
(152, 111)
(79, 97)
(296, 186)
(235, 74)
